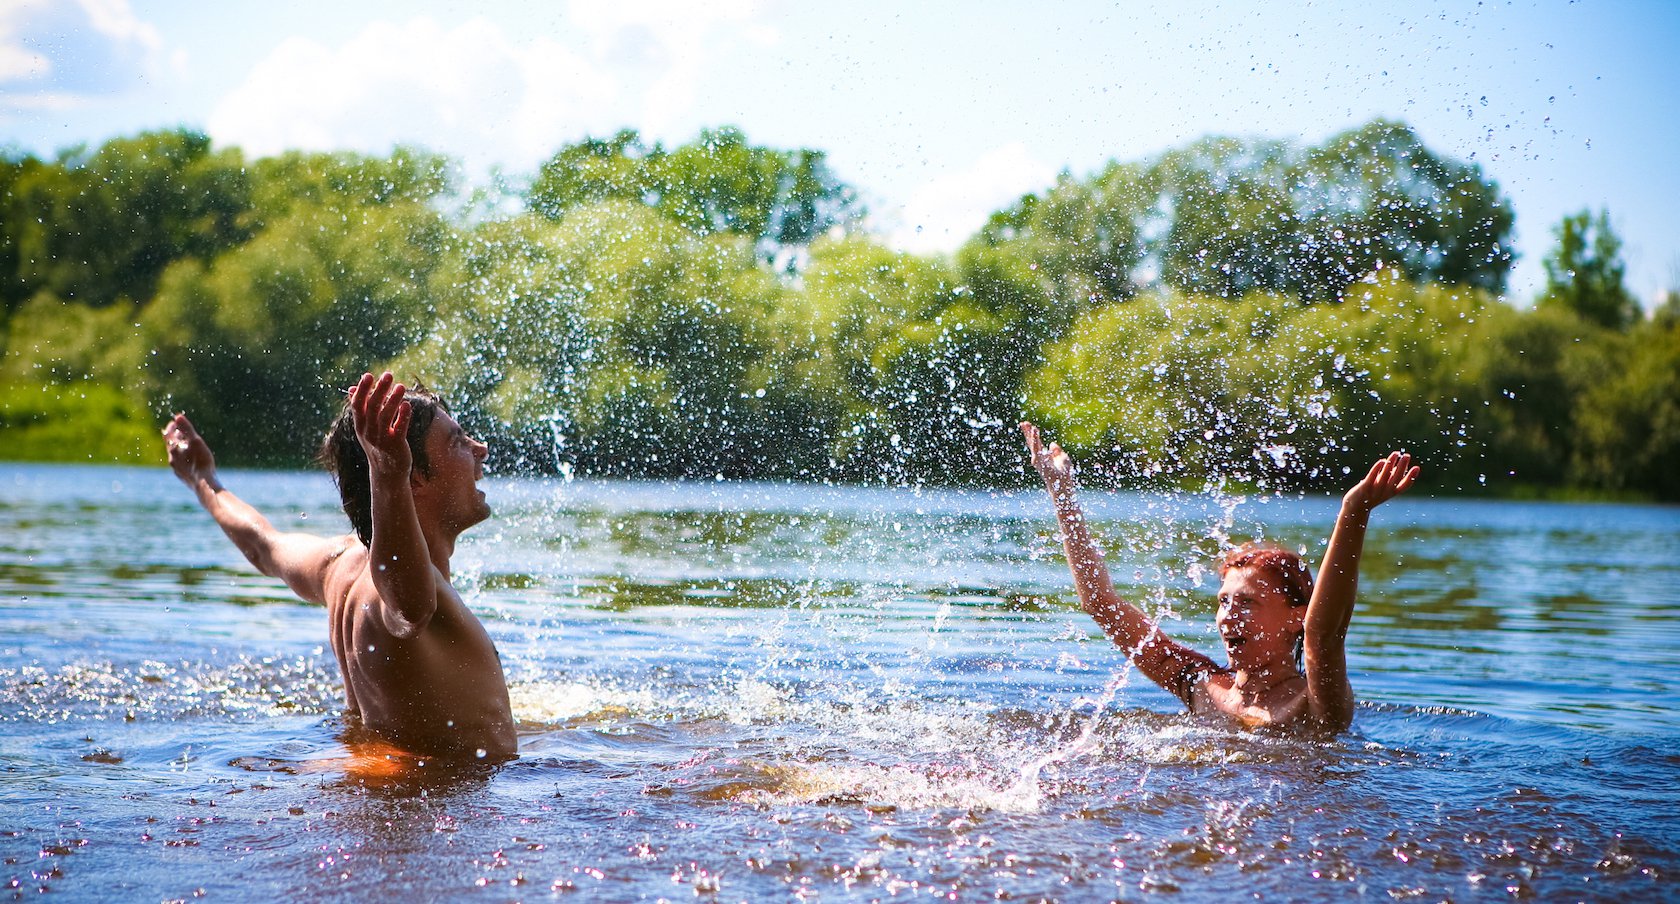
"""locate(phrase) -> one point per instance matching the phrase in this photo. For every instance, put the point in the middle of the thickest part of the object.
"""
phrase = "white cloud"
(478, 93)
(115, 20)
(467, 90)
(58, 53)
(20, 64)
(947, 210)
(662, 46)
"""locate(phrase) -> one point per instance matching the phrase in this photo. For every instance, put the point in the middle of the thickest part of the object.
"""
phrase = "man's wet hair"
(342, 455)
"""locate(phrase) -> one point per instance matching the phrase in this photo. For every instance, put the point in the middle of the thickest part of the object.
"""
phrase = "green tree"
(592, 171)
(1628, 418)
(343, 181)
(1667, 312)
(13, 289)
(259, 342)
(1526, 381)
(1231, 226)
(1082, 243)
(1408, 374)
(614, 339)
(925, 376)
(719, 183)
(1584, 273)
(96, 227)
(1377, 194)
(1262, 390)
(1173, 387)
(83, 421)
(1226, 217)
(64, 392)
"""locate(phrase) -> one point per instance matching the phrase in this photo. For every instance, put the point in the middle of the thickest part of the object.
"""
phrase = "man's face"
(457, 464)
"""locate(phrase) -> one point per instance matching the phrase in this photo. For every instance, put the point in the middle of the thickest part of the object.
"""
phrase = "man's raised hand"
(381, 416)
(189, 454)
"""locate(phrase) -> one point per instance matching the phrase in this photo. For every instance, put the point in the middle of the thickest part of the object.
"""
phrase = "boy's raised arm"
(300, 560)
(399, 560)
(1160, 658)
(1329, 695)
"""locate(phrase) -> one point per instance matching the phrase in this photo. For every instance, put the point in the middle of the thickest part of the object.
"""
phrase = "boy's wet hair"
(1284, 568)
(342, 455)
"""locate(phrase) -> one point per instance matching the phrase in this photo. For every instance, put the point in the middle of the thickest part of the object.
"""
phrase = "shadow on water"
(373, 766)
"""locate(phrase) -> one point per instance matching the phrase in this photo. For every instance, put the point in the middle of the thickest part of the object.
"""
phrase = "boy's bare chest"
(1281, 704)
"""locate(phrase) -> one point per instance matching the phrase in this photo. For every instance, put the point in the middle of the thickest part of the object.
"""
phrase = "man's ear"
(416, 480)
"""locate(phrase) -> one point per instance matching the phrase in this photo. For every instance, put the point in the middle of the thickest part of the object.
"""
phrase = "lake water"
(771, 692)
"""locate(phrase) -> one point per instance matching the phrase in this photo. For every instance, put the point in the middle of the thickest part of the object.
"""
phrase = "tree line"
(1236, 312)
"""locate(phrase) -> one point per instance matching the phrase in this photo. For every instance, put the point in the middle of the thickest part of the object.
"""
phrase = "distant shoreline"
(1515, 492)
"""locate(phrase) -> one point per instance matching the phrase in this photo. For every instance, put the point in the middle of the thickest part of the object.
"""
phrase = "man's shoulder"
(346, 561)
(349, 571)
(345, 551)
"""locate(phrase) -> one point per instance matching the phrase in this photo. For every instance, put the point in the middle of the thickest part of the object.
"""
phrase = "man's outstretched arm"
(300, 560)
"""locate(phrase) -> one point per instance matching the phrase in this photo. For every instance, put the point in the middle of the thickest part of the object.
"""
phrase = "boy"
(1285, 636)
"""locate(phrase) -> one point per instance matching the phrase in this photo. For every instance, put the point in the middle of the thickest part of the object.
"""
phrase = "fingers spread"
(1406, 481)
(391, 406)
(399, 423)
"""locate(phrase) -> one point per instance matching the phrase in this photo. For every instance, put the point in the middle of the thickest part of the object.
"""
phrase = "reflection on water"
(763, 692)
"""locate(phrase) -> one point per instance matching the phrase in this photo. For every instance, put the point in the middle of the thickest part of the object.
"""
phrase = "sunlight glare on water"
(755, 691)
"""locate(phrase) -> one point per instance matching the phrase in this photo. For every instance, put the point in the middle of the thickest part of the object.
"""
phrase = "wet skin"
(1262, 686)
(419, 668)
(425, 676)
(1259, 627)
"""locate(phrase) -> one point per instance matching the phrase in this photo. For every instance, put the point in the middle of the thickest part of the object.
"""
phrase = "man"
(419, 669)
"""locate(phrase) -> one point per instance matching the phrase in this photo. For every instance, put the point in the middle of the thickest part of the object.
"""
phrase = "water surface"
(767, 692)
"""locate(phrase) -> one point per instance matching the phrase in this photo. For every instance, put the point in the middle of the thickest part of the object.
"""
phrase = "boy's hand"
(1388, 478)
(189, 454)
(381, 417)
(1052, 464)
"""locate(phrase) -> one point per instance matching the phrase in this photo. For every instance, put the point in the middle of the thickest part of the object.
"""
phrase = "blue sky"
(940, 112)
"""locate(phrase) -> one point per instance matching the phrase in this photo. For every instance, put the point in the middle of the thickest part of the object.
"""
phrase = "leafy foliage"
(1232, 312)
(100, 227)
(1226, 217)
(1584, 273)
(718, 183)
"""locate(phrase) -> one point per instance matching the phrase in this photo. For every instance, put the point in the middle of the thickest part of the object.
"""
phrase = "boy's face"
(1255, 618)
